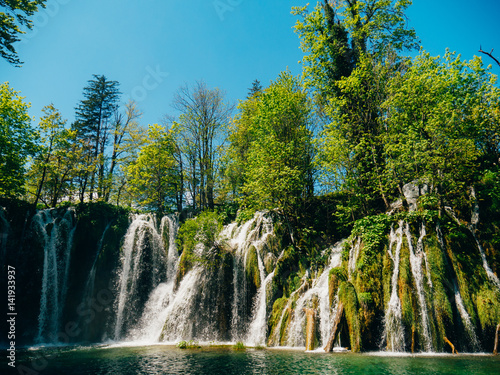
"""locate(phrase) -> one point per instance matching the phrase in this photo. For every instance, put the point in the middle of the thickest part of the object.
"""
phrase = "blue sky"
(152, 47)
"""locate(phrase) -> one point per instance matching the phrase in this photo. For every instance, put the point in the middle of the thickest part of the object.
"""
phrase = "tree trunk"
(310, 328)
(495, 348)
(453, 350)
(334, 333)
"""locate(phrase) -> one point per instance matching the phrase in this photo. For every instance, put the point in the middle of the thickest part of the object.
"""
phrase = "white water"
(57, 240)
(319, 292)
(150, 326)
(393, 325)
(252, 234)
(353, 256)
(469, 327)
(141, 231)
(416, 269)
(172, 221)
(88, 291)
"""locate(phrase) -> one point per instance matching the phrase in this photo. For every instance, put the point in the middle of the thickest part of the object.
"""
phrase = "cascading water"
(469, 327)
(472, 227)
(142, 270)
(150, 325)
(416, 269)
(318, 295)
(171, 224)
(252, 235)
(57, 240)
(258, 327)
(88, 290)
(393, 326)
(353, 256)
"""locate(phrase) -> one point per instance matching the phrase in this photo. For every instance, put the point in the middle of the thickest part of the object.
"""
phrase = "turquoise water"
(170, 360)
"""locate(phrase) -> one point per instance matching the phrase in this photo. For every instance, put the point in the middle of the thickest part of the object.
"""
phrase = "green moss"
(405, 282)
(348, 296)
(252, 267)
(335, 277)
(488, 308)
(440, 278)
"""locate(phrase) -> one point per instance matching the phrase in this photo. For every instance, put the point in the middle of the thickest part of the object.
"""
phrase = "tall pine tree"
(93, 118)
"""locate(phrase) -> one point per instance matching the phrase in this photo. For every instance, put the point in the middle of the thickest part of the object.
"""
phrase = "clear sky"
(152, 47)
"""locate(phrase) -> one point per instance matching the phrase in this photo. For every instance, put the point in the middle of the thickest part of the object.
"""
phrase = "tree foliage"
(442, 121)
(17, 141)
(154, 176)
(94, 115)
(53, 165)
(278, 171)
(13, 18)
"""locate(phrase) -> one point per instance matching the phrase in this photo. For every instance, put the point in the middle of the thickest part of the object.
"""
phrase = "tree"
(255, 89)
(124, 133)
(335, 35)
(153, 176)
(241, 135)
(279, 172)
(53, 163)
(15, 15)
(17, 141)
(351, 145)
(204, 116)
(351, 49)
(93, 117)
(442, 120)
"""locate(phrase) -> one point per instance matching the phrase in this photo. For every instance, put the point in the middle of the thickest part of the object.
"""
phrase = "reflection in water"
(168, 360)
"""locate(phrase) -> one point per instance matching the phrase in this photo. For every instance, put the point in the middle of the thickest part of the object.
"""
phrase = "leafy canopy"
(17, 141)
(15, 15)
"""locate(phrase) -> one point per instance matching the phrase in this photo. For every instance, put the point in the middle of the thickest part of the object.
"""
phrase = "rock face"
(412, 191)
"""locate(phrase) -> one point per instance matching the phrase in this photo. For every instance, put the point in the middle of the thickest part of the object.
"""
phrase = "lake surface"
(103, 360)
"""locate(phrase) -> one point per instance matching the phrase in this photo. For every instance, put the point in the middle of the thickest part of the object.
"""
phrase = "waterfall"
(142, 270)
(237, 239)
(416, 269)
(150, 325)
(172, 223)
(251, 235)
(57, 240)
(88, 290)
(258, 327)
(317, 295)
(353, 256)
(469, 327)
(472, 227)
(394, 331)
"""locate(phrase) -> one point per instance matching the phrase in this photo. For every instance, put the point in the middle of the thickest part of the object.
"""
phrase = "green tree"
(124, 132)
(15, 15)
(154, 175)
(52, 165)
(442, 119)
(351, 144)
(93, 124)
(279, 171)
(17, 141)
(334, 36)
(240, 138)
(255, 89)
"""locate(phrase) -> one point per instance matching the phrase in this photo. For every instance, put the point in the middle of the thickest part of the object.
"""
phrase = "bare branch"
(490, 54)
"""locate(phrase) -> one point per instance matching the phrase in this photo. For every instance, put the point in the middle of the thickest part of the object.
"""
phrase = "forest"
(331, 152)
